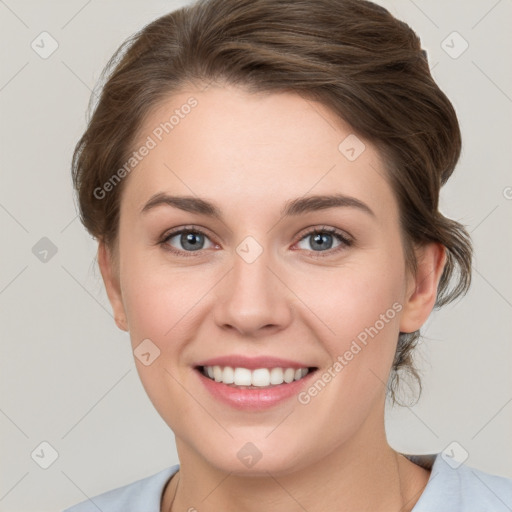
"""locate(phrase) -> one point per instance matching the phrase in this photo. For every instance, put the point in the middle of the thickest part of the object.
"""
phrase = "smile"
(257, 378)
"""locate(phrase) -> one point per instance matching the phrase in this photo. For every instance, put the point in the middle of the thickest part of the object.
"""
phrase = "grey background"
(67, 373)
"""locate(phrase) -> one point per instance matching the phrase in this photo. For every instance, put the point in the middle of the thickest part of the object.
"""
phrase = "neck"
(363, 474)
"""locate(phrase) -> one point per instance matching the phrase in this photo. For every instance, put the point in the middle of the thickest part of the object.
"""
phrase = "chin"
(257, 455)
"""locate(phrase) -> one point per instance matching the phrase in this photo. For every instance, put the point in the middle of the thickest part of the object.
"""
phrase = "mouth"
(258, 378)
(253, 384)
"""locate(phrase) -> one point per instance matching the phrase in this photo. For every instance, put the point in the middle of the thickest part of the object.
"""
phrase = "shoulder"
(141, 496)
(456, 487)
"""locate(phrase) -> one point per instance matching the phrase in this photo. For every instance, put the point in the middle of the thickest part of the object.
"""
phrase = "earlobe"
(422, 291)
(112, 285)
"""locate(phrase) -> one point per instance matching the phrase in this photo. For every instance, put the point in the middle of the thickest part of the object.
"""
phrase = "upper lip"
(252, 363)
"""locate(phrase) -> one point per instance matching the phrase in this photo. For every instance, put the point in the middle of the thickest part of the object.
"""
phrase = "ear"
(422, 287)
(112, 285)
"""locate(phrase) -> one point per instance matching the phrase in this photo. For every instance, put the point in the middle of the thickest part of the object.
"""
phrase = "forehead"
(244, 148)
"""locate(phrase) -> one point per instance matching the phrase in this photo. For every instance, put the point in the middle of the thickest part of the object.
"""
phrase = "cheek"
(158, 297)
(160, 306)
(365, 316)
(161, 301)
(361, 307)
(352, 298)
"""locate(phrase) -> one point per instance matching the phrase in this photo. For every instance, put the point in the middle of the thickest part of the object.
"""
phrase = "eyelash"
(344, 240)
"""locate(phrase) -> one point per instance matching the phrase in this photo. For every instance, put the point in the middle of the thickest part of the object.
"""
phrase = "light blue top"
(450, 488)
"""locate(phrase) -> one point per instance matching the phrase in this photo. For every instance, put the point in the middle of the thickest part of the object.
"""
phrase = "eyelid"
(164, 239)
(310, 230)
(189, 228)
(344, 238)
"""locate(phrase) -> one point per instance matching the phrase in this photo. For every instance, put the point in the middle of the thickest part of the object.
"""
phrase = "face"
(260, 274)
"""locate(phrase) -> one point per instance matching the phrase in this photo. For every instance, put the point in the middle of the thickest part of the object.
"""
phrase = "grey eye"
(188, 240)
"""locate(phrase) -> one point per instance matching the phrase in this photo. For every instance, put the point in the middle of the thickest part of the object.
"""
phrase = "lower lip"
(254, 399)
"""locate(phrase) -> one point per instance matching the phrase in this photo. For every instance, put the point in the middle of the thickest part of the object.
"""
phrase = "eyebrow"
(291, 208)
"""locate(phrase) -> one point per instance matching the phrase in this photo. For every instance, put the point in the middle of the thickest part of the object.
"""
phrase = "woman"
(263, 180)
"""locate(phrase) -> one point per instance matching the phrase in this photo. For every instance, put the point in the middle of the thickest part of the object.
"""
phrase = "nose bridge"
(252, 297)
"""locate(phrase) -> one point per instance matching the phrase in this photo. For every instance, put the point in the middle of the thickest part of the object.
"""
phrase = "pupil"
(323, 240)
(191, 241)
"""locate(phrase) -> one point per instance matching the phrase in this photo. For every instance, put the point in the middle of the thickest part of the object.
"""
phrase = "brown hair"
(352, 56)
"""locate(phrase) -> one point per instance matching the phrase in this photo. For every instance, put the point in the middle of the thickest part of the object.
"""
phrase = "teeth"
(228, 375)
(261, 377)
(217, 373)
(289, 375)
(242, 377)
(276, 376)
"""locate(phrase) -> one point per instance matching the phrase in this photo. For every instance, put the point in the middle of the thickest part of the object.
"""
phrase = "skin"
(250, 154)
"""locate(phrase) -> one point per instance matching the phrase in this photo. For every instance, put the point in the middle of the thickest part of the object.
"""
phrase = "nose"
(253, 300)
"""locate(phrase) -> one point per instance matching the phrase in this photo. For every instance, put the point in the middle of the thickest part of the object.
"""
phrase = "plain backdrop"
(67, 373)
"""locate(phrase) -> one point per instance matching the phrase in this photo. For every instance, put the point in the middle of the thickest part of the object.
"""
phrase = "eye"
(324, 240)
(190, 241)
(186, 240)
